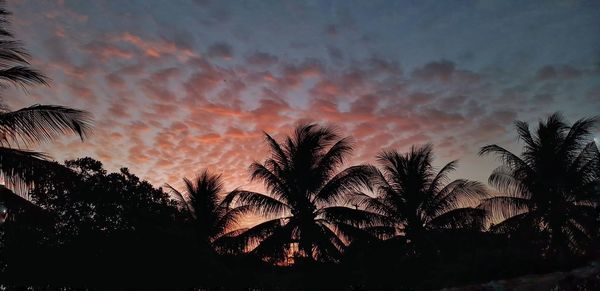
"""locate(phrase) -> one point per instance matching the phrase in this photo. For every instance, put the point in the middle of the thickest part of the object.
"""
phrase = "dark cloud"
(332, 30)
(441, 71)
(220, 50)
(261, 59)
(562, 72)
(335, 54)
(444, 71)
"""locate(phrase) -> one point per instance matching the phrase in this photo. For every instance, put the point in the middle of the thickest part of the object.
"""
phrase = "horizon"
(170, 100)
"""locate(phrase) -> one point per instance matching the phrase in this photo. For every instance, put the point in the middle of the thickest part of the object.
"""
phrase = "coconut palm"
(304, 197)
(202, 201)
(30, 125)
(552, 188)
(418, 200)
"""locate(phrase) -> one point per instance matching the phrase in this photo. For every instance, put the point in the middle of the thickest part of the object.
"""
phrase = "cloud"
(220, 50)
(106, 51)
(562, 72)
(444, 71)
(115, 81)
(80, 91)
(332, 30)
(153, 48)
(335, 54)
(261, 59)
(436, 71)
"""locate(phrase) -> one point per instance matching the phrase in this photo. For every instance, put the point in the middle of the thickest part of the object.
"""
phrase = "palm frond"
(356, 217)
(468, 217)
(181, 198)
(328, 246)
(44, 122)
(504, 155)
(586, 163)
(261, 204)
(251, 237)
(334, 157)
(510, 182)
(525, 135)
(233, 217)
(351, 179)
(513, 224)
(272, 182)
(228, 243)
(12, 51)
(271, 238)
(442, 176)
(277, 151)
(20, 168)
(579, 132)
(204, 192)
(504, 207)
(374, 204)
(457, 193)
(22, 76)
(349, 232)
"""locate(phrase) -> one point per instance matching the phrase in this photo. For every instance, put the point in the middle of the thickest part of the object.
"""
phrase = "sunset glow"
(177, 88)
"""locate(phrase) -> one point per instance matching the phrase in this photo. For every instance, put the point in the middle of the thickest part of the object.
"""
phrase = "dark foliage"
(202, 203)
(550, 193)
(417, 201)
(95, 223)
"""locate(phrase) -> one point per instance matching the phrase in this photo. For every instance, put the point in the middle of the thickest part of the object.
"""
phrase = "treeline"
(398, 224)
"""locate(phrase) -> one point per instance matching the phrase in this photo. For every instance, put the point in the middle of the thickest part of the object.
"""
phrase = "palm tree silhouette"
(304, 199)
(417, 200)
(552, 188)
(26, 126)
(213, 221)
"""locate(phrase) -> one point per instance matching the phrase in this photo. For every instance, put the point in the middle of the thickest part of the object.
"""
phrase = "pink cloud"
(154, 48)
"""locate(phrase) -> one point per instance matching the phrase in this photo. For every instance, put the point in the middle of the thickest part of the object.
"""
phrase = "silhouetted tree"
(551, 189)
(104, 223)
(418, 200)
(213, 221)
(32, 124)
(87, 198)
(304, 197)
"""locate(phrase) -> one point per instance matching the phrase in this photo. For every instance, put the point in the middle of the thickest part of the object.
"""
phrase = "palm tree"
(202, 201)
(552, 188)
(417, 200)
(30, 125)
(303, 204)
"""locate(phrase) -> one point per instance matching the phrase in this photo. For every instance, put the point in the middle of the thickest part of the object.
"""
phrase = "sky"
(179, 86)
